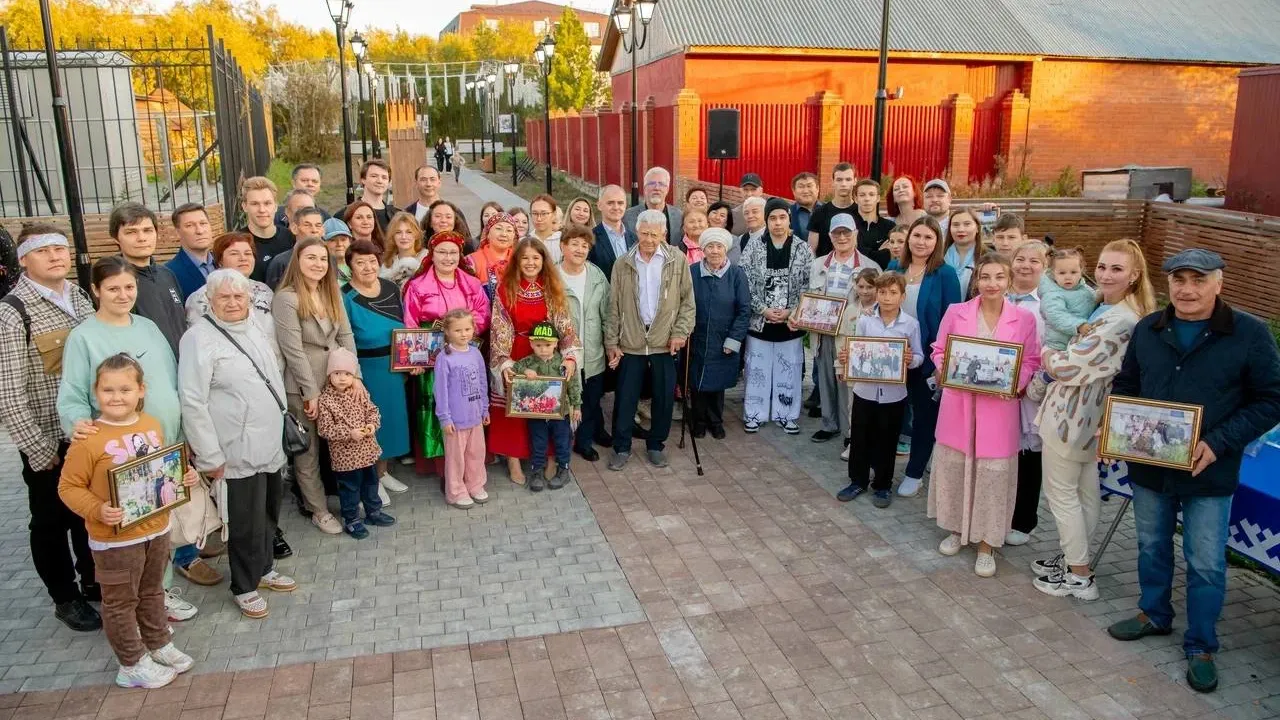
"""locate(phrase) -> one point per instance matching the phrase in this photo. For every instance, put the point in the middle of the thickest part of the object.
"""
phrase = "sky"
(423, 18)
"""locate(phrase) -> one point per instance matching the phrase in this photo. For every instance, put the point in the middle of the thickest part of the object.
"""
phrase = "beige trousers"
(1074, 499)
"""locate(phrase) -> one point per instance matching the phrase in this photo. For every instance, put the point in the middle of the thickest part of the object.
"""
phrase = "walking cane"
(684, 416)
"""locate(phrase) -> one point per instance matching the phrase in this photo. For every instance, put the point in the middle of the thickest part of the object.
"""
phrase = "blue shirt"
(617, 239)
(205, 266)
(1187, 330)
(1097, 312)
(962, 266)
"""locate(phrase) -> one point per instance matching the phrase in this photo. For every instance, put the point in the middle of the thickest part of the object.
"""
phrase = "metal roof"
(1231, 31)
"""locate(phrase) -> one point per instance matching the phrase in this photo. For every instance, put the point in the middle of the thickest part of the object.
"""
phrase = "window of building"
(539, 26)
(592, 28)
(491, 23)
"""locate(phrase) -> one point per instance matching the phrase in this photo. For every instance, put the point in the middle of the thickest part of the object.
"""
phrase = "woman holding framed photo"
(974, 481)
(1071, 415)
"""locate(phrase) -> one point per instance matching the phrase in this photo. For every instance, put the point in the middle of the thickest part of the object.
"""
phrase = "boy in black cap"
(545, 361)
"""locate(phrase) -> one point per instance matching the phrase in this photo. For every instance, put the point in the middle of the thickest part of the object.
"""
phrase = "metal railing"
(160, 123)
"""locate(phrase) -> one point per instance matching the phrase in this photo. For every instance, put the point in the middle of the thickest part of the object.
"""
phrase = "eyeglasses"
(542, 213)
(657, 184)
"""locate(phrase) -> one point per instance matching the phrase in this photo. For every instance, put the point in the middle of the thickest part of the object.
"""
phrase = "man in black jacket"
(1198, 351)
(133, 227)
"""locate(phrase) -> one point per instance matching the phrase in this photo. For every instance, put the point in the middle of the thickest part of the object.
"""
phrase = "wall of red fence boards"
(917, 138)
(986, 143)
(774, 141)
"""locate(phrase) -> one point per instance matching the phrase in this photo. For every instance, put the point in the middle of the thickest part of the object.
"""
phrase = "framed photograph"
(415, 348)
(819, 313)
(149, 484)
(877, 359)
(540, 397)
(982, 366)
(1150, 431)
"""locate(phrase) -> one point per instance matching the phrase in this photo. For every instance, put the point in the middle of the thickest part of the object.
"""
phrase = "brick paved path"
(748, 592)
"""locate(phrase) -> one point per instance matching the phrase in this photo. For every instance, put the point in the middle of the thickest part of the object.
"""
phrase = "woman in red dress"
(530, 291)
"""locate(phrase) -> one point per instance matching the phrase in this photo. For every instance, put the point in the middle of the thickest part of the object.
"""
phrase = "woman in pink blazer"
(975, 466)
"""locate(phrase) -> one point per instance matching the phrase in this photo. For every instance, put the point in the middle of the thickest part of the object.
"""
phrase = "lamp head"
(645, 8)
(540, 55)
(358, 44)
(622, 17)
(511, 68)
(471, 85)
(491, 78)
(549, 46)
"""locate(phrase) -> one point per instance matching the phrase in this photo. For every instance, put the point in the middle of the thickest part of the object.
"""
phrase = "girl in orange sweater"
(130, 562)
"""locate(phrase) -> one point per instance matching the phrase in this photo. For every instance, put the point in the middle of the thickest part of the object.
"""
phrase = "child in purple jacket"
(462, 405)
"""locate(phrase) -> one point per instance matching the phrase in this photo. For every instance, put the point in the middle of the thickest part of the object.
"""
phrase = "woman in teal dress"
(374, 307)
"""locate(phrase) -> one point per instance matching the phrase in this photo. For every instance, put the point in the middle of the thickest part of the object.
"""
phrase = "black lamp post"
(340, 12)
(882, 97)
(545, 52)
(373, 109)
(511, 69)
(357, 50)
(625, 13)
(482, 98)
(471, 85)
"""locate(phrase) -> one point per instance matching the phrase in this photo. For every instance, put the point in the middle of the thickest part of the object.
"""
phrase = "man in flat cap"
(1198, 351)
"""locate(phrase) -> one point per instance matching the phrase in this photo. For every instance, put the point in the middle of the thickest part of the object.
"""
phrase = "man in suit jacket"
(427, 181)
(657, 181)
(194, 260)
(613, 237)
(305, 177)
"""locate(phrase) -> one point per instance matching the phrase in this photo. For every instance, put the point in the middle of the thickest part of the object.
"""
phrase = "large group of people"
(268, 350)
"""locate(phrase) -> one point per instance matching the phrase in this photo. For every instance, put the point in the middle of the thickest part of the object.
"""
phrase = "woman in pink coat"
(438, 287)
(975, 467)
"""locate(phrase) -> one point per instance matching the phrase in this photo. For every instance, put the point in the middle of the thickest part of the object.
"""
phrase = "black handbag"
(296, 439)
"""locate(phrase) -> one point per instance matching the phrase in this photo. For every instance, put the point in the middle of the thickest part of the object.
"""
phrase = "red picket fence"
(986, 143)
(611, 146)
(663, 142)
(774, 141)
(917, 138)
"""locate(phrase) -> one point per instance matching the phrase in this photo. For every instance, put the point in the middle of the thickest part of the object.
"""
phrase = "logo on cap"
(544, 331)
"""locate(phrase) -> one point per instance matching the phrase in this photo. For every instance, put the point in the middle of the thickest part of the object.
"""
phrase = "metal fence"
(153, 122)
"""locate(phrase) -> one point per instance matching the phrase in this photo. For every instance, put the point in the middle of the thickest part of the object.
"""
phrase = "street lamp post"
(882, 97)
(340, 12)
(510, 70)
(482, 98)
(625, 13)
(545, 53)
(373, 109)
(357, 50)
(471, 85)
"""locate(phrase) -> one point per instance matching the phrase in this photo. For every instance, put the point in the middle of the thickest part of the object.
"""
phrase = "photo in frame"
(1150, 431)
(540, 398)
(877, 360)
(982, 366)
(819, 313)
(148, 485)
(413, 348)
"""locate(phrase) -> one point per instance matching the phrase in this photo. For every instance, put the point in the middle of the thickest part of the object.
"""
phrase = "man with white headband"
(35, 319)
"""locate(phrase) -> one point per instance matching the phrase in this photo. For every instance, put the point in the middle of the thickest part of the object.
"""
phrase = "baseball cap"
(333, 227)
(544, 331)
(1202, 261)
(751, 179)
(938, 183)
(843, 220)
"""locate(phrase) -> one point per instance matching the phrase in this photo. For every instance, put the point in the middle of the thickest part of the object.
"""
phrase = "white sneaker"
(383, 496)
(146, 674)
(171, 656)
(406, 460)
(390, 483)
(327, 523)
(481, 497)
(950, 545)
(177, 608)
(1017, 537)
(985, 565)
(465, 502)
(1054, 565)
(844, 454)
(1064, 584)
(909, 487)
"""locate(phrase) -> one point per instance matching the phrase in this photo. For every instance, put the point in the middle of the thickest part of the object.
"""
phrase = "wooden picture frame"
(1151, 432)
(979, 365)
(149, 485)
(856, 369)
(409, 344)
(819, 313)
(538, 398)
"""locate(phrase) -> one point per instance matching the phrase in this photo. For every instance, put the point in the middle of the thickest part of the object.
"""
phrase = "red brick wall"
(1104, 114)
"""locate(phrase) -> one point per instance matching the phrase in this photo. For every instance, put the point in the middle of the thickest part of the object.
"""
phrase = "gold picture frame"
(537, 398)
(408, 344)
(149, 485)
(1151, 432)
(979, 365)
(819, 313)
(861, 366)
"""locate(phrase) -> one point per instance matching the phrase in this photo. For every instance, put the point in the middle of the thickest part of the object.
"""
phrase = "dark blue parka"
(723, 307)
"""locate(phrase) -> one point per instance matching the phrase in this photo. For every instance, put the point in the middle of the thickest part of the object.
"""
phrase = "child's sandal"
(252, 605)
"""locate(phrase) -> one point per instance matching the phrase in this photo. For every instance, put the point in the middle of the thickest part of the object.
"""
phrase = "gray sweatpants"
(832, 394)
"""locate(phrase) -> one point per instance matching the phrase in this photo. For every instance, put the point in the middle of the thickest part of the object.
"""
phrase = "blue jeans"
(924, 421)
(356, 487)
(1204, 546)
(542, 431)
(185, 555)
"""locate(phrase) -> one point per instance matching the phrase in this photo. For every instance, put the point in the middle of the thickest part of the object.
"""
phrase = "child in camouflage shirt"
(545, 361)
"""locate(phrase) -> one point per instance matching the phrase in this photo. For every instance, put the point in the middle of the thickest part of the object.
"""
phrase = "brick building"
(1046, 84)
(534, 13)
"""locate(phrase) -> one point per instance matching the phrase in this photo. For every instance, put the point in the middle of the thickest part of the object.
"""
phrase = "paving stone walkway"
(747, 592)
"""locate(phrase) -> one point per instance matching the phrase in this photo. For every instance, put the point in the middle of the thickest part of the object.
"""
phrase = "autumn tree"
(573, 75)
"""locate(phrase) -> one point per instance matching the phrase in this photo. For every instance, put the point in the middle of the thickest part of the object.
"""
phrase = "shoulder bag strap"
(232, 340)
